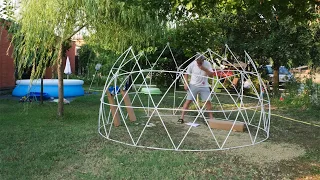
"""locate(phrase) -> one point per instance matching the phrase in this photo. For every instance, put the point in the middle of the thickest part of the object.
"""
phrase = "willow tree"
(46, 26)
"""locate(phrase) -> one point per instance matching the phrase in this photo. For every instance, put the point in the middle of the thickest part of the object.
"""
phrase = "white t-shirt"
(199, 77)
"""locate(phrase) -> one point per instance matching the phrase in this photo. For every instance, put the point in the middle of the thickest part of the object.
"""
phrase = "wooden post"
(115, 113)
(127, 102)
(226, 125)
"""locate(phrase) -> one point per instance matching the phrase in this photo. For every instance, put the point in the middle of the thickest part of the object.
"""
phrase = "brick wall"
(7, 69)
(7, 77)
(71, 54)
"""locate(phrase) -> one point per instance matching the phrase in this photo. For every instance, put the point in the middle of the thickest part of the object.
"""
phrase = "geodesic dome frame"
(138, 112)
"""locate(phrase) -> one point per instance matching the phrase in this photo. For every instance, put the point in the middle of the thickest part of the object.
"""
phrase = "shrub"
(302, 94)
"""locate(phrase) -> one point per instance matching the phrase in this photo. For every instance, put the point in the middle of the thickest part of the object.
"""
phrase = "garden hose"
(311, 124)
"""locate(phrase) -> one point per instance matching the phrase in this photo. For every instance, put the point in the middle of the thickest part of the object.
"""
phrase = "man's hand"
(202, 67)
(186, 87)
(208, 72)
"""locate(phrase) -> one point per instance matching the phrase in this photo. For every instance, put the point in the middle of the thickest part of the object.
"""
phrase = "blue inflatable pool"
(72, 87)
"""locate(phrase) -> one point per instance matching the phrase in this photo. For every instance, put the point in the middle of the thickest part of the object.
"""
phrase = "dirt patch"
(265, 152)
(201, 137)
(204, 138)
(268, 152)
(262, 153)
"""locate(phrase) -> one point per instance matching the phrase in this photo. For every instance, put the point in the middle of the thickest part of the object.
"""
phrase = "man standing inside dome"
(199, 70)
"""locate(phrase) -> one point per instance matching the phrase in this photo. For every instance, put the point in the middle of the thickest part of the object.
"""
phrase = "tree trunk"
(60, 81)
(41, 93)
(275, 83)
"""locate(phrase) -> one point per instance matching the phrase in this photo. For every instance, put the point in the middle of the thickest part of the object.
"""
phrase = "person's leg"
(191, 94)
(185, 107)
(209, 108)
(205, 94)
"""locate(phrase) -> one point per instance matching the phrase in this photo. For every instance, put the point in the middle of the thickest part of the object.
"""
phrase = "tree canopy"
(44, 27)
(286, 31)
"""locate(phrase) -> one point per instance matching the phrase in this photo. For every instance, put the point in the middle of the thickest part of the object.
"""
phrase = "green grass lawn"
(36, 144)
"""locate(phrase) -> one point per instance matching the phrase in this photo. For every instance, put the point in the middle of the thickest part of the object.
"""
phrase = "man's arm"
(185, 81)
(208, 72)
(186, 76)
